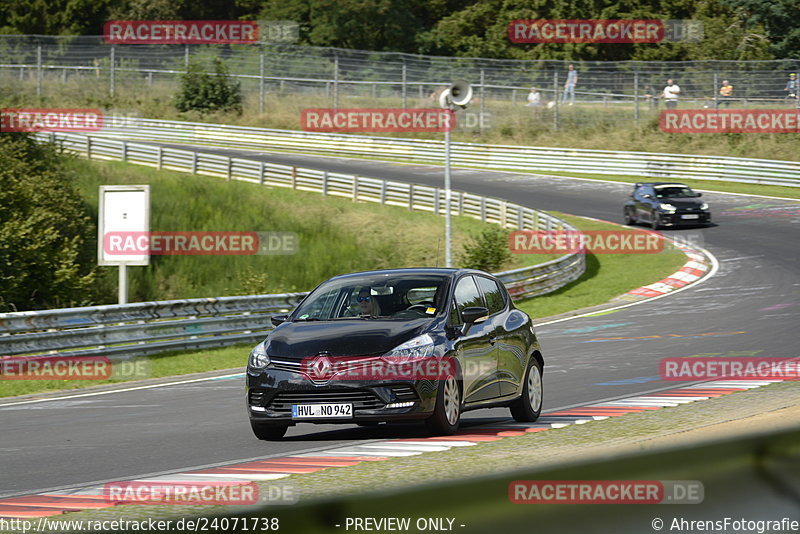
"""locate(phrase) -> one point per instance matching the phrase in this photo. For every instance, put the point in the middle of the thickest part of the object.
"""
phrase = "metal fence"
(141, 328)
(514, 158)
(331, 76)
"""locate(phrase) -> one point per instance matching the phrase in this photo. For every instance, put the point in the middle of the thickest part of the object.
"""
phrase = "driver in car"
(367, 304)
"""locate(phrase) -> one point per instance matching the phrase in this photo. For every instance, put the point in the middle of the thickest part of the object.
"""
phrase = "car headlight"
(418, 347)
(667, 207)
(258, 356)
(704, 206)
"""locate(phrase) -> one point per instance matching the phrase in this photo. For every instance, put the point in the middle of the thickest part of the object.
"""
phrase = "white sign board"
(123, 208)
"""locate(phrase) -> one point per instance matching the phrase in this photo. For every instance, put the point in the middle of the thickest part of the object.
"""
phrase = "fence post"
(324, 183)
(261, 79)
(483, 209)
(636, 96)
(355, 188)
(555, 95)
(230, 169)
(88, 147)
(160, 157)
(405, 79)
(411, 197)
(194, 162)
(39, 69)
(383, 192)
(112, 72)
(186, 58)
(714, 90)
(483, 100)
(294, 177)
(124, 151)
(335, 79)
(261, 173)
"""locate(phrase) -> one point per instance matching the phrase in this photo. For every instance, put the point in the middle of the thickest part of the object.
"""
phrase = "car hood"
(343, 337)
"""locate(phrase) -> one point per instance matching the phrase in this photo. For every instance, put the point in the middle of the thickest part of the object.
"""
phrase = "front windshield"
(409, 296)
(674, 191)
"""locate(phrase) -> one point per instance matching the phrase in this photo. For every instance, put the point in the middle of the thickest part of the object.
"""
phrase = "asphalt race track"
(750, 305)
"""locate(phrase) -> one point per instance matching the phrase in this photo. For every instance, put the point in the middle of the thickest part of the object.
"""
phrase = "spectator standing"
(791, 86)
(569, 87)
(534, 98)
(671, 92)
(726, 93)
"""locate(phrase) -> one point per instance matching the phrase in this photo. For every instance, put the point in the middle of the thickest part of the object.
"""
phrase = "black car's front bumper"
(684, 218)
(271, 393)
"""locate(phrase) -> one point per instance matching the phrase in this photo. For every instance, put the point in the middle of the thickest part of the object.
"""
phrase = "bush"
(47, 239)
(488, 251)
(201, 91)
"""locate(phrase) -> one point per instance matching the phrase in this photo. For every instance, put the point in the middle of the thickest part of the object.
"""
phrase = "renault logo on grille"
(320, 366)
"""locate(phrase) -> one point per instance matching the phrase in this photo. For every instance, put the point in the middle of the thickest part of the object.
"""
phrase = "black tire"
(528, 407)
(269, 431)
(654, 220)
(447, 413)
(629, 220)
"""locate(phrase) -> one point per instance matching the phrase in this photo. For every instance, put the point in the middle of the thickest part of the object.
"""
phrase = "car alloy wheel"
(654, 220)
(528, 406)
(447, 412)
(629, 218)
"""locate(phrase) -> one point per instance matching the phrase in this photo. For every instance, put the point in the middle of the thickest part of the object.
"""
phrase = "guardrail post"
(483, 209)
(195, 157)
(124, 151)
(230, 169)
(355, 188)
(88, 147)
(520, 218)
(461, 203)
(261, 173)
(436, 201)
(410, 197)
(160, 157)
(324, 183)
(503, 213)
(294, 177)
(38, 69)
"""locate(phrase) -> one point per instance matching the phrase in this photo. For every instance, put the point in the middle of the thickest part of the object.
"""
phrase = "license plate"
(690, 216)
(322, 411)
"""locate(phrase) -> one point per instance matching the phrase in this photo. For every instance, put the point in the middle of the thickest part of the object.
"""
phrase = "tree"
(204, 92)
(47, 245)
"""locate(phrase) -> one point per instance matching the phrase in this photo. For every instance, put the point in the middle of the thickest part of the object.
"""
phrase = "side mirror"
(473, 315)
(278, 320)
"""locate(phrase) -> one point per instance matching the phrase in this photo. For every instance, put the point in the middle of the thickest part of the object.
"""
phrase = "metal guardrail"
(516, 158)
(144, 328)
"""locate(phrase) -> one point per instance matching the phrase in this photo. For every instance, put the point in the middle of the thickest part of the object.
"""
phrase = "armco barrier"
(428, 151)
(149, 327)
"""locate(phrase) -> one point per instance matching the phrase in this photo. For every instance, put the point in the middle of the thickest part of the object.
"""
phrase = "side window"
(495, 300)
(466, 295)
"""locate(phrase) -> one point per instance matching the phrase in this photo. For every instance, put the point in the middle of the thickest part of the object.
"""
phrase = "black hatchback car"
(404, 344)
(665, 204)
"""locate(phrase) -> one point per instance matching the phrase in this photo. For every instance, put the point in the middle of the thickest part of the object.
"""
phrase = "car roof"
(656, 184)
(444, 271)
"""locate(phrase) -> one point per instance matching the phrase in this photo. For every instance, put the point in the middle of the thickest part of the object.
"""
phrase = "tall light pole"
(455, 97)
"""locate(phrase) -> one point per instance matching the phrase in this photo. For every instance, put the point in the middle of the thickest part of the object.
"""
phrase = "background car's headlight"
(259, 357)
(704, 206)
(418, 347)
(667, 207)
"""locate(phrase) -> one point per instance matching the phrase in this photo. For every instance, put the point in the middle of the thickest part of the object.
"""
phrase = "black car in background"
(665, 204)
(461, 322)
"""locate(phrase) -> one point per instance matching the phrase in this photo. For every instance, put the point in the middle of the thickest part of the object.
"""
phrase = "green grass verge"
(335, 235)
(606, 276)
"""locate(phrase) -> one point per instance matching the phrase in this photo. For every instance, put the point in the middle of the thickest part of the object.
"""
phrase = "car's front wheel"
(447, 413)
(629, 220)
(269, 431)
(655, 224)
(527, 408)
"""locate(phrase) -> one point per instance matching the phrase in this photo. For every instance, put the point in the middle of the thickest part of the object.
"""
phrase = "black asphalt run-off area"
(751, 304)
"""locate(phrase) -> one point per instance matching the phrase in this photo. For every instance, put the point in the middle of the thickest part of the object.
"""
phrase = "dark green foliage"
(488, 251)
(47, 238)
(204, 92)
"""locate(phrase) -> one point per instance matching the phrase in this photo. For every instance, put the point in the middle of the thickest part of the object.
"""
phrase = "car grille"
(359, 398)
